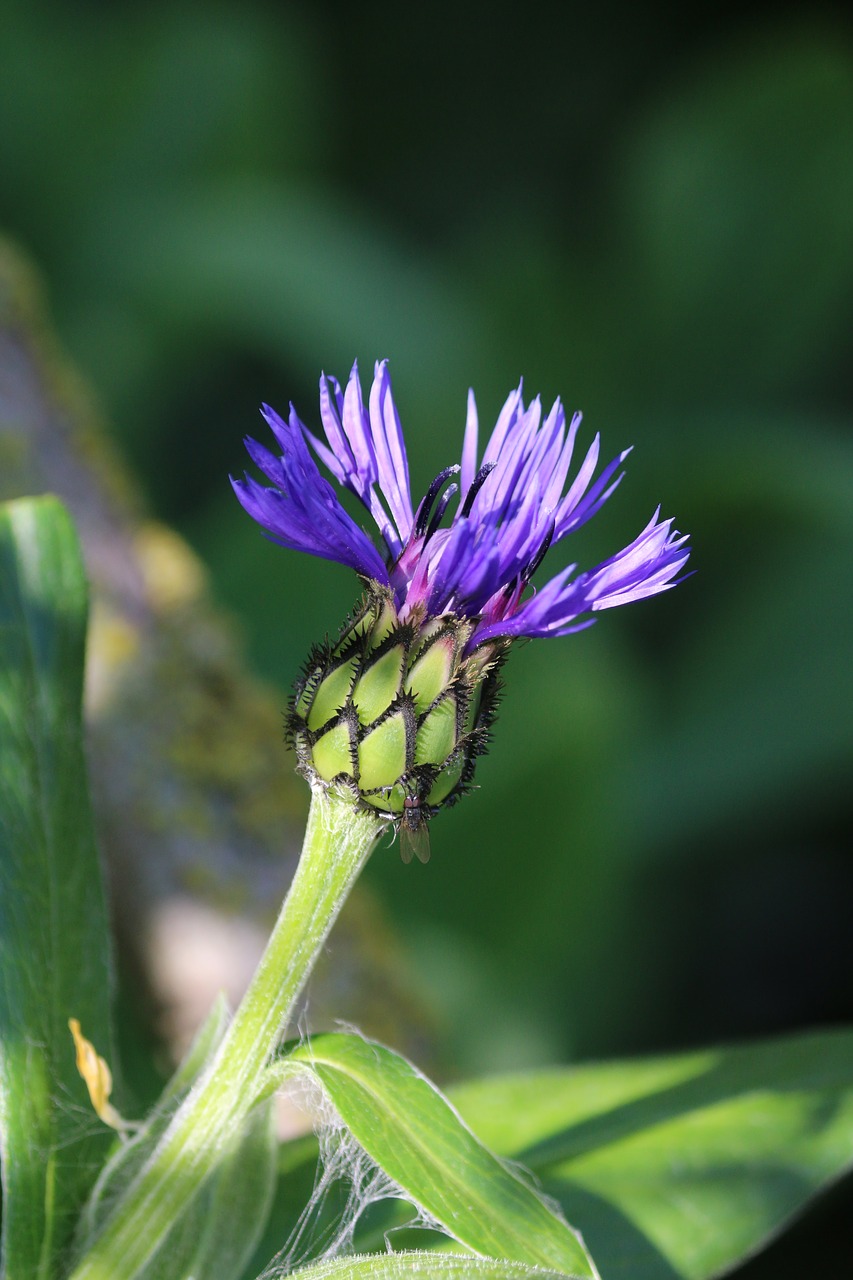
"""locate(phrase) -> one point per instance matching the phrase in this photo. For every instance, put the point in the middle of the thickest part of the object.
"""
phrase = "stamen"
(431, 495)
(540, 555)
(449, 493)
(476, 485)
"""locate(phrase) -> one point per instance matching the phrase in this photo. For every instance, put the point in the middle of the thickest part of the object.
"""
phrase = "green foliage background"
(648, 217)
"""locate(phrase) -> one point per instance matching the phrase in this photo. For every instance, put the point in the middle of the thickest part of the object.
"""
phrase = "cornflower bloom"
(399, 707)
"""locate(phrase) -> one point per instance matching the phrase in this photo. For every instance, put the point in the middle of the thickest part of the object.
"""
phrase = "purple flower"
(513, 504)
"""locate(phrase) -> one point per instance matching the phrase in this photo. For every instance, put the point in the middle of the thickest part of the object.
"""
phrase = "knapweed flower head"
(399, 707)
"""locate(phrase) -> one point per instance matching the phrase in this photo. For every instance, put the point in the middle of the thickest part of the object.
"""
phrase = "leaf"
(410, 1130)
(432, 1266)
(216, 1236)
(204, 1044)
(679, 1168)
(54, 945)
(126, 1161)
(294, 1189)
(239, 1200)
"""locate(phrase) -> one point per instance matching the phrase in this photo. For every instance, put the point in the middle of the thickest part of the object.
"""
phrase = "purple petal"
(645, 567)
(578, 506)
(265, 461)
(302, 511)
(356, 425)
(328, 459)
(343, 466)
(511, 507)
(506, 418)
(464, 571)
(498, 492)
(390, 451)
(560, 470)
(469, 447)
(551, 611)
(366, 451)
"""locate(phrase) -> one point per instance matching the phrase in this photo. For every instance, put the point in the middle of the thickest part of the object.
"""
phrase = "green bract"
(396, 711)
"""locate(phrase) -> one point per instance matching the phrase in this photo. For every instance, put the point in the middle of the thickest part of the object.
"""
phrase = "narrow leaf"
(679, 1168)
(54, 947)
(216, 1235)
(416, 1137)
(239, 1201)
(204, 1044)
(126, 1160)
(431, 1266)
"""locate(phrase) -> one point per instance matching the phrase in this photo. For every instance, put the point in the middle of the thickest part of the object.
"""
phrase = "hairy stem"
(338, 840)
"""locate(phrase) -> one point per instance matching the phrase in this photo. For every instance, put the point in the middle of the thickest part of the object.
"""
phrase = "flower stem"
(338, 840)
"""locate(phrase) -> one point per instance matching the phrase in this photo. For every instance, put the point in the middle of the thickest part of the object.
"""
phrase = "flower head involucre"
(455, 585)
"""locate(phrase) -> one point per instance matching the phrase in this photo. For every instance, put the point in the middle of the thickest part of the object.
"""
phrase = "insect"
(414, 830)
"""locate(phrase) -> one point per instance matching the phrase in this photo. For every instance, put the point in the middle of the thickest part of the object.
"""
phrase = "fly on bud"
(398, 708)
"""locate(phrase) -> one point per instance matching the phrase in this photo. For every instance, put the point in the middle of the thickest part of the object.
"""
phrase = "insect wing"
(414, 842)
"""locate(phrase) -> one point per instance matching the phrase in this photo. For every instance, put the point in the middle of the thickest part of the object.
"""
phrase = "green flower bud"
(397, 711)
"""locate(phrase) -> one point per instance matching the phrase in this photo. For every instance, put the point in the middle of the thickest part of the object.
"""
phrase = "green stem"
(338, 840)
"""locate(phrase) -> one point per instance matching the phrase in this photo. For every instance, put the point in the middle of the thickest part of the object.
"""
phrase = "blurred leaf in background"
(648, 217)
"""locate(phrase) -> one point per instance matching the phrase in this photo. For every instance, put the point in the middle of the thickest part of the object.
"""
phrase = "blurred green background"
(651, 217)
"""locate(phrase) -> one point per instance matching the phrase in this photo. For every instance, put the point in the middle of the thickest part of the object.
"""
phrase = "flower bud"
(396, 710)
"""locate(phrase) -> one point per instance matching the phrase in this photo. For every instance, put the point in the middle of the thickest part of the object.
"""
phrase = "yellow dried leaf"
(97, 1076)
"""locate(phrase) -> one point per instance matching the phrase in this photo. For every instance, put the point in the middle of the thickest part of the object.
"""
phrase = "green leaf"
(126, 1161)
(295, 1184)
(54, 946)
(431, 1266)
(411, 1131)
(678, 1168)
(216, 1236)
(238, 1202)
(204, 1044)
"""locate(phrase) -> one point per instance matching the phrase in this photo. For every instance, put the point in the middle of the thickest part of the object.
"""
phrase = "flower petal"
(366, 451)
(390, 450)
(646, 567)
(511, 508)
(469, 447)
(302, 511)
